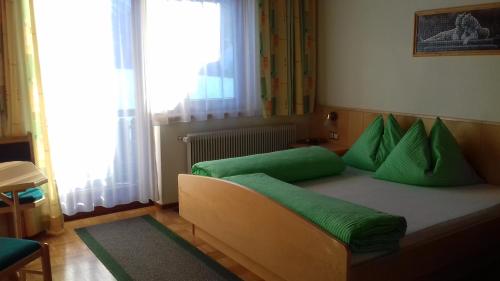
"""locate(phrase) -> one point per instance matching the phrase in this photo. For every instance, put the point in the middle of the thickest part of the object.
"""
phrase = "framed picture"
(467, 30)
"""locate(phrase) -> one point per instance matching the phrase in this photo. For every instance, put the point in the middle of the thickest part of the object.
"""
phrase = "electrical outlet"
(333, 135)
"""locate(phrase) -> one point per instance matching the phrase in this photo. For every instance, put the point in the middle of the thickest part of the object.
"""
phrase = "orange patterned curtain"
(3, 110)
(288, 56)
(24, 103)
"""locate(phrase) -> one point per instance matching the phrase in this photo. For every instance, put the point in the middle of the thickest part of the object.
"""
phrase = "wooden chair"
(17, 253)
(19, 149)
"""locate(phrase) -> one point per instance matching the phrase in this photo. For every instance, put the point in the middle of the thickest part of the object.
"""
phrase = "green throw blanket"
(363, 229)
(287, 165)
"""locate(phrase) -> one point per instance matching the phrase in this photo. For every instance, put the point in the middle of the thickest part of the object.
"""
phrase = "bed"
(450, 223)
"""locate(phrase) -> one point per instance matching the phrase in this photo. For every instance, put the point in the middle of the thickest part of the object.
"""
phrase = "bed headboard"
(480, 141)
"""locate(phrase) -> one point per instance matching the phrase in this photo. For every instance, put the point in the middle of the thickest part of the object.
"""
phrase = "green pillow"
(289, 165)
(433, 161)
(374, 144)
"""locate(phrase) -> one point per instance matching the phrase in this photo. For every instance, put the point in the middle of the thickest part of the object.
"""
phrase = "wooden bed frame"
(277, 244)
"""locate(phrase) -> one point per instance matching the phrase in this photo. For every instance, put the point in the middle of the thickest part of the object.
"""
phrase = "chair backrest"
(16, 149)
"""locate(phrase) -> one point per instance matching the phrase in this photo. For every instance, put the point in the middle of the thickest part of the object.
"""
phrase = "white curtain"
(201, 59)
(99, 118)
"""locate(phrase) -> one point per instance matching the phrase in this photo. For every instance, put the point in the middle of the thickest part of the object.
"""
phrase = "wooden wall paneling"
(428, 122)
(479, 141)
(343, 127)
(368, 118)
(468, 136)
(489, 157)
(317, 128)
(355, 126)
(405, 121)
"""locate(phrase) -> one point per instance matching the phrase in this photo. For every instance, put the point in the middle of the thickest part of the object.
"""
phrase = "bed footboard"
(259, 233)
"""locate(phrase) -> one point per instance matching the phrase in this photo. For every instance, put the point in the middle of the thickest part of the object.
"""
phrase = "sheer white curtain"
(201, 58)
(99, 119)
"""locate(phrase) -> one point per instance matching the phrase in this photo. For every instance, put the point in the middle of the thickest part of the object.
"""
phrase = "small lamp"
(331, 124)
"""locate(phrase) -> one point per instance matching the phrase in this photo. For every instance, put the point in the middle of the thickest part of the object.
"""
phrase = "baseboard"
(174, 205)
(99, 211)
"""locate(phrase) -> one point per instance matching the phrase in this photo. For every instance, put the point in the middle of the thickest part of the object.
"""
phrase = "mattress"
(429, 211)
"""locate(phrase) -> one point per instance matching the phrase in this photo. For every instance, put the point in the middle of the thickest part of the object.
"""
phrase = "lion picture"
(462, 31)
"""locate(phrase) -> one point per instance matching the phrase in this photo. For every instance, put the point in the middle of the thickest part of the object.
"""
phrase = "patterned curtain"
(288, 56)
(14, 111)
(3, 110)
(24, 102)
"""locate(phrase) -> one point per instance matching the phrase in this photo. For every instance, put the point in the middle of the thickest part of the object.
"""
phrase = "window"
(99, 127)
(201, 58)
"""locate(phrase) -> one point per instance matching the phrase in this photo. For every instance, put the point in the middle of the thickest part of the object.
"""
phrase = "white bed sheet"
(423, 207)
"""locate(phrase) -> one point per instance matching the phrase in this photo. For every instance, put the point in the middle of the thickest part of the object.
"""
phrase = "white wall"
(173, 152)
(365, 61)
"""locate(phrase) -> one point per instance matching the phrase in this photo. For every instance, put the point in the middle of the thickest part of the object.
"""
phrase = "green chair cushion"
(30, 195)
(13, 250)
(374, 145)
(433, 161)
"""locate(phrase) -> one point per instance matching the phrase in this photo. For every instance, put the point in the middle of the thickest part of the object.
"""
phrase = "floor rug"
(143, 249)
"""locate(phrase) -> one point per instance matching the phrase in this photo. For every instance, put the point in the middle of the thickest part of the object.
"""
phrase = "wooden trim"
(99, 210)
(456, 53)
(430, 255)
(20, 139)
(452, 10)
(456, 9)
(167, 206)
(237, 256)
(7, 200)
(415, 30)
(277, 244)
(42, 253)
(322, 109)
(22, 207)
(271, 240)
(479, 140)
(46, 268)
(19, 264)
(16, 215)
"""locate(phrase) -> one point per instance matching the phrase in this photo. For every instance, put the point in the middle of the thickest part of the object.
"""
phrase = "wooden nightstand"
(335, 147)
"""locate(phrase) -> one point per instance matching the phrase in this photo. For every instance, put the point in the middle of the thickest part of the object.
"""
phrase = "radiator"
(213, 145)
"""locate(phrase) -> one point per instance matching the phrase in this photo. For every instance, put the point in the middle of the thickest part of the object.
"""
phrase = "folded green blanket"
(362, 229)
(287, 165)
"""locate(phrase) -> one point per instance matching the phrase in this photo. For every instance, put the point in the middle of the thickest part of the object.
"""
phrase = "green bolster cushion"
(433, 161)
(13, 250)
(375, 144)
(287, 165)
(361, 228)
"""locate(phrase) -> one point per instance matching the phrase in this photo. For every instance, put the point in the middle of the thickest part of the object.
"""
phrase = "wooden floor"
(72, 260)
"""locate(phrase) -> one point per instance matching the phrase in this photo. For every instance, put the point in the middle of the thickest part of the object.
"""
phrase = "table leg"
(16, 214)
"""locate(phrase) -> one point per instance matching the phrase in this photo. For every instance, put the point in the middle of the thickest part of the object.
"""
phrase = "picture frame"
(457, 31)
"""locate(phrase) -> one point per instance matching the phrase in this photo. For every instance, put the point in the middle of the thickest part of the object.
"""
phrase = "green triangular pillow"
(433, 161)
(450, 168)
(391, 137)
(374, 144)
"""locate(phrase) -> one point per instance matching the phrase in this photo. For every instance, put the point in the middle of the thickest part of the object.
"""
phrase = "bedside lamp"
(331, 124)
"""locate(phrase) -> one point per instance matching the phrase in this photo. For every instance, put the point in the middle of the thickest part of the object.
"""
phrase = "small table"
(335, 147)
(16, 177)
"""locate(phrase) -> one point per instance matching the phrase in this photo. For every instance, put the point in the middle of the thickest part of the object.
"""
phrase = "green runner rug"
(143, 249)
